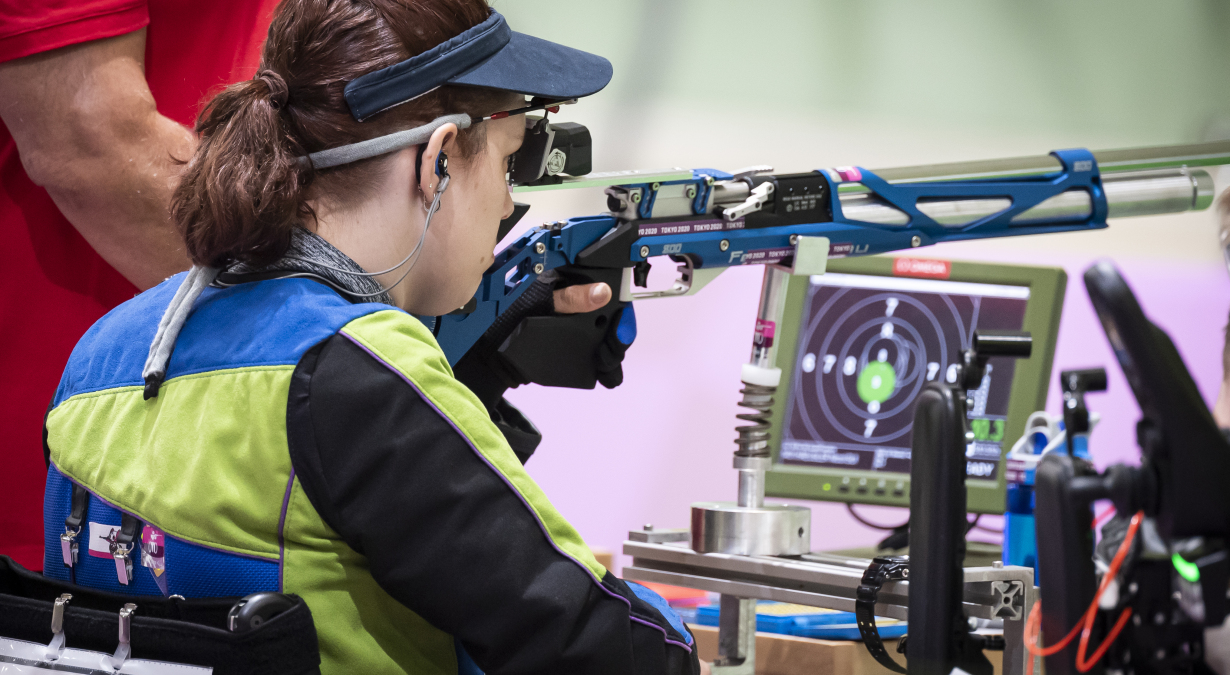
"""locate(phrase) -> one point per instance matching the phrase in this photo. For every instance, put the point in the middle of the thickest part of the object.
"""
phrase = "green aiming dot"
(876, 382)
(1187, 570)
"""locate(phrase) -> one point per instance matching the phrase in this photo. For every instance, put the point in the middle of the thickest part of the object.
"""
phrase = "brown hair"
(243, 190)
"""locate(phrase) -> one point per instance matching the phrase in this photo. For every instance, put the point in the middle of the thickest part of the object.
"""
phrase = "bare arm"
(87, 130)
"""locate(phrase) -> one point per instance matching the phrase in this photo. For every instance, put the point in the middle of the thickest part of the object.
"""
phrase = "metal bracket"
(736, 637)
(811, 255)
(1009, 600)
(654, 536)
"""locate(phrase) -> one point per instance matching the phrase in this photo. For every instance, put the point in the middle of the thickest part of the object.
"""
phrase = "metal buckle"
(897, 572)
(123, 562)
(68, 546)
(73, 524)
(56, 647)
(124, 650)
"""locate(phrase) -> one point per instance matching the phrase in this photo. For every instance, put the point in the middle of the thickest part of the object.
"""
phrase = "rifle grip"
(560, 350)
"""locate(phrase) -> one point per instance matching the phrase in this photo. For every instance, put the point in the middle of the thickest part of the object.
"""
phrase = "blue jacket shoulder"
(261, 323)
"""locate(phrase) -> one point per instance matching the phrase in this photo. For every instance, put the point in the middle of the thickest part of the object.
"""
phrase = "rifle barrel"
(1109, 162)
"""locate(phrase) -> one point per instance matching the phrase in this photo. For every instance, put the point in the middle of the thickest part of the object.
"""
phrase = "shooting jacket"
(306, 444)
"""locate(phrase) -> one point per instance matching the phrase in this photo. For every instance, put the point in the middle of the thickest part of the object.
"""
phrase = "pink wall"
(614, 460)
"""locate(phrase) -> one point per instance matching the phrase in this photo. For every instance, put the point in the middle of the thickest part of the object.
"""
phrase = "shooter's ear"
(433, 163)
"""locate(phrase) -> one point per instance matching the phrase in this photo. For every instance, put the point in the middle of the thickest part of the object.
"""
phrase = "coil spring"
(753, 440)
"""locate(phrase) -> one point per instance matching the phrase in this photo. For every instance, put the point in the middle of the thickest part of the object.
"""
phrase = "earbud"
(441, 168)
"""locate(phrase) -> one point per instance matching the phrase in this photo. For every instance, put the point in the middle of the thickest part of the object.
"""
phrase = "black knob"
(254, 610)
(1086, 379)
(1014, 343)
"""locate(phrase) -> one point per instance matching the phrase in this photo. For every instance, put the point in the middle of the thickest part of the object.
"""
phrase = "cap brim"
(536, 67)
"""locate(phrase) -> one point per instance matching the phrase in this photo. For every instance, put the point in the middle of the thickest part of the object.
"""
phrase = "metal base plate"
(831, 580)
(772, 529)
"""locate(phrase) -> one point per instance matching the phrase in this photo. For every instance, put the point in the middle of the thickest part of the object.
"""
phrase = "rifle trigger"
(640, 273)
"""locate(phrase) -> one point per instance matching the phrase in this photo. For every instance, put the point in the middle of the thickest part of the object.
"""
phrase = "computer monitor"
(858, 343)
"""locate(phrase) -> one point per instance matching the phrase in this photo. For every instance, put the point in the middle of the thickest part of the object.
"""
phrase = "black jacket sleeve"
(447, 534)
(522, 436)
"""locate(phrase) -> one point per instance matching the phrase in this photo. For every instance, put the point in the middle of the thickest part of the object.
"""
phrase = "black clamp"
(881, 569)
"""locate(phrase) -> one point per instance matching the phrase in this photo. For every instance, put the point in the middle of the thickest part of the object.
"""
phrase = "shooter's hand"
(589, 345)
(570, 336)
(609, 354)
(581, 298)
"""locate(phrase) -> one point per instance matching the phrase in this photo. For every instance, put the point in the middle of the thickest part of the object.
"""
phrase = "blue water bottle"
(1020, 539)
(1043, 434)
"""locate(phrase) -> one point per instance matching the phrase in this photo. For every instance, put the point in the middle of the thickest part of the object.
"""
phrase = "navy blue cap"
(488, 55)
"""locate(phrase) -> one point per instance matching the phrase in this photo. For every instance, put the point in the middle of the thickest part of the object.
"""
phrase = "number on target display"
(868, 344)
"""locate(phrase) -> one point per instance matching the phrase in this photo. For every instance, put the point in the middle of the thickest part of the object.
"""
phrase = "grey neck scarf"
(310, 255)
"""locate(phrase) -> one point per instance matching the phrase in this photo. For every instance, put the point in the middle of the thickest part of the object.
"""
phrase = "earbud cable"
(431, 211)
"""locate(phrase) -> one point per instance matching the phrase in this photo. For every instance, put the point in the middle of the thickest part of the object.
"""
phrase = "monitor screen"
(867, 345)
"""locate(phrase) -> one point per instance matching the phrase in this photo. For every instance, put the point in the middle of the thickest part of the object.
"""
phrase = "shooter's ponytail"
(244, 189)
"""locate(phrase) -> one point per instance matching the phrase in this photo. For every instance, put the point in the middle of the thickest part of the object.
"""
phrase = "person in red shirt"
(97, 98)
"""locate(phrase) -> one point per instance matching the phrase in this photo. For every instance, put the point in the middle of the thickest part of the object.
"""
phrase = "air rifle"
(707, 220)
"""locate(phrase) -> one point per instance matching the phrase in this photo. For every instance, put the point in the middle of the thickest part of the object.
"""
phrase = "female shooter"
(278, 420)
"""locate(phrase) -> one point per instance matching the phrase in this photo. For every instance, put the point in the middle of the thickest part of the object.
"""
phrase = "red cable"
(1081, 664)
(1031, 635)
(1085, 626)
(1031, 638)
(1084, 666)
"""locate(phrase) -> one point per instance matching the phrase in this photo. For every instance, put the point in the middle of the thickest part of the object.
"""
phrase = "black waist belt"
(171, 629)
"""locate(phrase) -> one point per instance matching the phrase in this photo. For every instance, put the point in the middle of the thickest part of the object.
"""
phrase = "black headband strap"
(405, 81)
